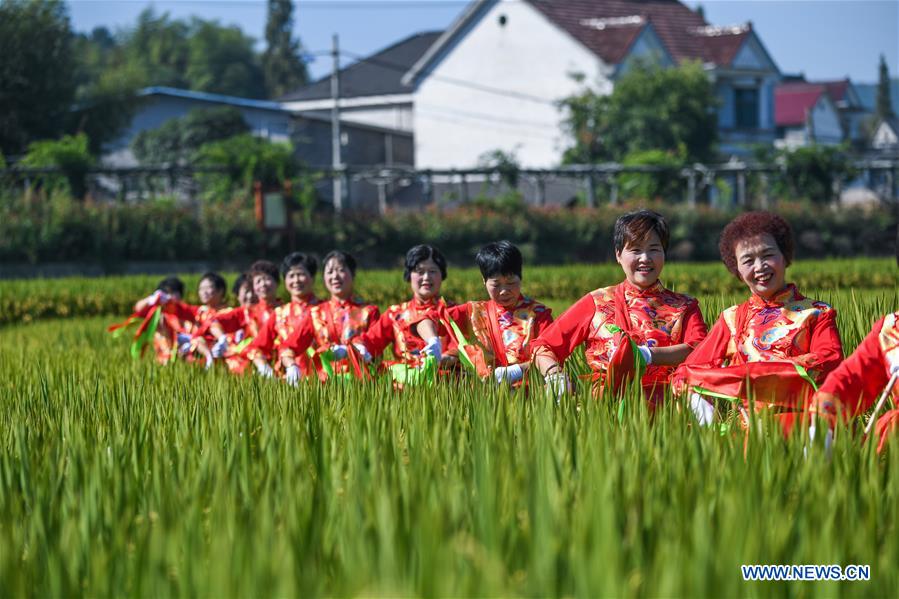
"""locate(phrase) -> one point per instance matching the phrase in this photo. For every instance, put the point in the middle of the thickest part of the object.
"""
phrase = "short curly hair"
(752, 224)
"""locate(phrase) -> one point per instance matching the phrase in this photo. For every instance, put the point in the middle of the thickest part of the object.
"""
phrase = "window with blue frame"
(746, 108)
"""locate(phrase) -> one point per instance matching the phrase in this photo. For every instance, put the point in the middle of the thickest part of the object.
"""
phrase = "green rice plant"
(120, 477)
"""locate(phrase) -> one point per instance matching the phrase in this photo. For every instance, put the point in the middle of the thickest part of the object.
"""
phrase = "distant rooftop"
(209, 97)
(377, 75)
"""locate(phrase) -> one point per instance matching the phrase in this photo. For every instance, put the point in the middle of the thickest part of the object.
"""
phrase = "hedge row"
(59, 230)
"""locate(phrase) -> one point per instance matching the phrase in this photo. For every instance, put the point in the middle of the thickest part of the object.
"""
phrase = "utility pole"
(336, 165)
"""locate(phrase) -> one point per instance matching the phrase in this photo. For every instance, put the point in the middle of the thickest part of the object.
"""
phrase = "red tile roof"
(792, 101)
(721, 48)
(609, 27)
(836, 89)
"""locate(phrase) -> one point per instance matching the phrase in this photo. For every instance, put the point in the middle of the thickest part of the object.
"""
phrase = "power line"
(487, 117)
(511, 131)
(454, 81)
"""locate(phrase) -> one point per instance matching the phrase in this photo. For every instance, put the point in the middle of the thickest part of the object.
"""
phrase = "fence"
(385, 188)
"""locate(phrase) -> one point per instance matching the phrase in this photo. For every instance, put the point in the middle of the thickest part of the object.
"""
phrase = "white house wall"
(885, 137)
(455, 123)
(826, 122)
(397, 117)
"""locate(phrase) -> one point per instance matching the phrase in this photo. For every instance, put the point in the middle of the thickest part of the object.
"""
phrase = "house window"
(746, 108)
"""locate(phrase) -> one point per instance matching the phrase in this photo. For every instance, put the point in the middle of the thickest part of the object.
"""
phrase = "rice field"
(120, 477)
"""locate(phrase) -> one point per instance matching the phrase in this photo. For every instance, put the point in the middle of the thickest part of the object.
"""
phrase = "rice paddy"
(119, 477)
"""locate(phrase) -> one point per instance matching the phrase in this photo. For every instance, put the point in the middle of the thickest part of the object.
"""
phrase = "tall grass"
(124, 478)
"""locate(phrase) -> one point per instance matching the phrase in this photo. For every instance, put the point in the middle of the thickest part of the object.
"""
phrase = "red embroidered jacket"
(395, 326)
(276, 330)
(499, 337)
(334, 322)
(858, 382)
(788, 327)
(766, 350)
(656, 317)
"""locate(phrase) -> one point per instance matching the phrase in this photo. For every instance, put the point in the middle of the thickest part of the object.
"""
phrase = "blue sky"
(823, 39)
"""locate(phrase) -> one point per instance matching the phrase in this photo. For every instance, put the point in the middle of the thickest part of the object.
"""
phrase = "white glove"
(265, 371)
(220, 347)
(339, 351)
(703, 410)
(363, 351)
(433, 347)
(183, 343)
(646, 353)
(558, 384)
(292, 375)
(510, 374)
(828, 440)
(158, 297)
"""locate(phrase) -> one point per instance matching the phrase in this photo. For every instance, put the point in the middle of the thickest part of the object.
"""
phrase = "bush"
(177, 140)
(247, 159)
(59, 229)
(811, 172)
(666, 184)
(71, 154)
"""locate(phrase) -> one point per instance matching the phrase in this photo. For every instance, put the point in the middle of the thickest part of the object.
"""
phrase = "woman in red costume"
(774, 347)
(167, 322)
(627, 327)
(298, 271)
(246, 321)
(496, 333)
(425, 271)
(332, 324)
(869, 374)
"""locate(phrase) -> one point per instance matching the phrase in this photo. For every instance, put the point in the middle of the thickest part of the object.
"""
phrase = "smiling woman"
(331, 325)
(776, 346)
(634, 326)
(425, 272)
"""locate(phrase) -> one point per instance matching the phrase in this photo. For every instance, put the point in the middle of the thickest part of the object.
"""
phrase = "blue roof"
(161, 90)
(867, 93)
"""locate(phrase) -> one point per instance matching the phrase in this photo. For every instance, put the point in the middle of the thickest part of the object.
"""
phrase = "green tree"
(106, 93)
(284, 70)
(884, 107)
(37, 84)
(650, 108)
(221, 60)
(158, 47)
(199, 55)
(178, 139)
(811, 172)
